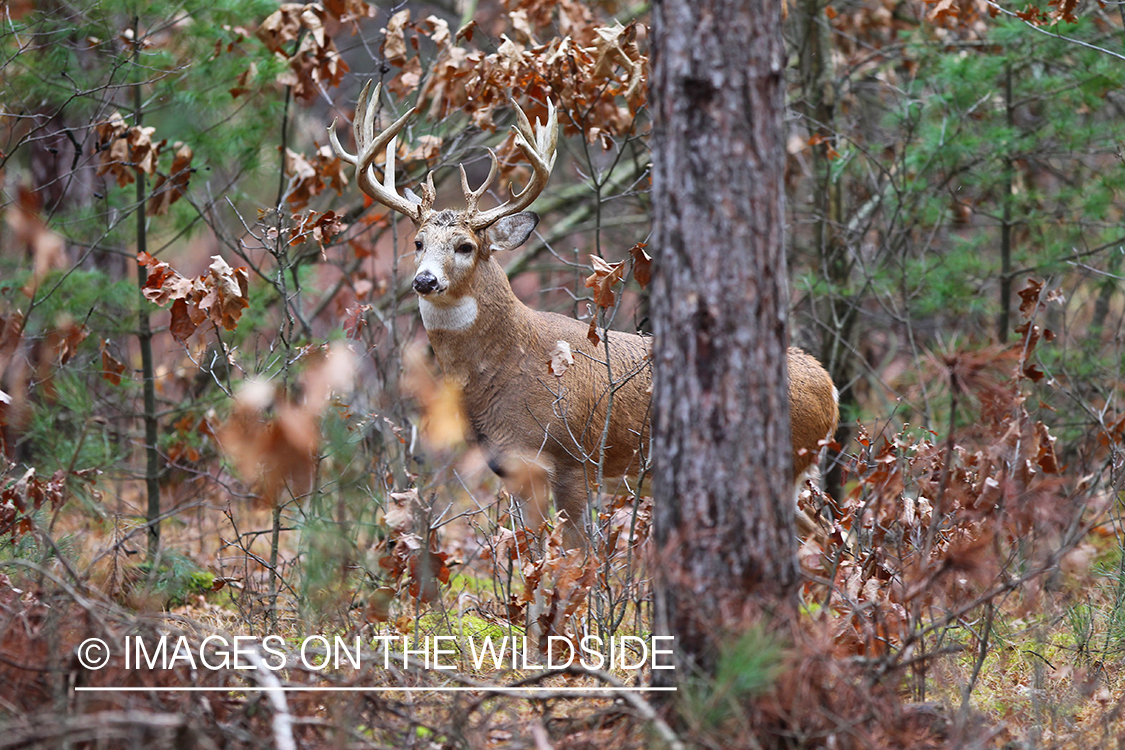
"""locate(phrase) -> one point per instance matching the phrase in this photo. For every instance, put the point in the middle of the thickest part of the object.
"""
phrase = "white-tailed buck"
(497, 349)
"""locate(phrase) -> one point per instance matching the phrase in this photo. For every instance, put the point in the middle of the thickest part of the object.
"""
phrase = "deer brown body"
(497, 349)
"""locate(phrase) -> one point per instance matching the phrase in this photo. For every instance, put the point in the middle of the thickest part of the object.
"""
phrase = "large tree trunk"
(723, 490)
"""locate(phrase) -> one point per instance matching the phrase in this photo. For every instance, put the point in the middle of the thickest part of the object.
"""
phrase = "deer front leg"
(568, 486)
(528, 481)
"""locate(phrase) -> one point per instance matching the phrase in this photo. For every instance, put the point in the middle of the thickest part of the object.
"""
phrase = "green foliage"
(83, 66)
(61, 434)
(973, 140)
(334, 554)
(173, 580)
(1098, 623)
(961, 158)
(31, 547)
(747, 666)
(993, 139)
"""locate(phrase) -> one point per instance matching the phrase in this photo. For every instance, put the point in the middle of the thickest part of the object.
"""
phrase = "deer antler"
(369, 146)
(538, 146)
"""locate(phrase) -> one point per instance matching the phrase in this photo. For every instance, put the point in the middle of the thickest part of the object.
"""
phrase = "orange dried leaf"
(378, 607)
(349, 10)
(65, 341)
(111, 367)
(437, 30)
(46, 248)
(642, 264)
(592, 333)
(466, 31)
(1046, 458)
(602, 280)
(182, 326)
(243, 82)
(227, 296)
(280, 27)
(1029, 296)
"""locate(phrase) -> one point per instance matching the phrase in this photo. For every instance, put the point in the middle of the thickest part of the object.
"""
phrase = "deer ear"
(511, 231)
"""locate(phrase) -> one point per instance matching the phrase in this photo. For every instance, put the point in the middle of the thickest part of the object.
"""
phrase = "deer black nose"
(425, 282)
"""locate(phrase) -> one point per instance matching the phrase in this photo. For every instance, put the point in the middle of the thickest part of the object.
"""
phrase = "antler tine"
(369, 146)
(539, 145)
(428, 194)
(337, 147)
(472, 197)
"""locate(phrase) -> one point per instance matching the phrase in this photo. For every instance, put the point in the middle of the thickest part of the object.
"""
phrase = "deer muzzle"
(426, 283)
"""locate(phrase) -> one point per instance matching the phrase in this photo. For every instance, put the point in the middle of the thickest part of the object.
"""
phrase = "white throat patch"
(456, 317)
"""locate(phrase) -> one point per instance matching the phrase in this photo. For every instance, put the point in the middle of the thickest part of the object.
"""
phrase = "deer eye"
(418, 245)
(464, 248)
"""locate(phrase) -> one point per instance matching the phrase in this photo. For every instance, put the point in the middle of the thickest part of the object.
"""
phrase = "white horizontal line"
(311, 689)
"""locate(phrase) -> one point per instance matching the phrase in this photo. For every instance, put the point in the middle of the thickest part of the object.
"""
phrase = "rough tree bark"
(723, 497)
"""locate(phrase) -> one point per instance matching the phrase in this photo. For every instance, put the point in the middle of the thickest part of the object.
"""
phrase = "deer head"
(450, 245)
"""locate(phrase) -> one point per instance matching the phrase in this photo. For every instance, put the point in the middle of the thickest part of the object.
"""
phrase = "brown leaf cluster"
(956, 12)
(273, 441)
(26, 495)
(355, 320)
(817, 695)
(319, 227)
(64, 339)
(608, 275)
(167, 189)
(444, 423)
(349, 11)
(413, 566)
(220, 295)
(309, 178)
(596, 74)
(605, 276)
(866, 25)
(928, 521)
(47, 249)
(397, 48)
(124, 152)
(964, 14)
(626, 526)
(557, 584)
(182, 445)
(556, 580)
(1064, 10)
(296, 34)
(921, 525)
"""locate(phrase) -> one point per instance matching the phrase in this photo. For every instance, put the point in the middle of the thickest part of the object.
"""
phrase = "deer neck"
(486, 324)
